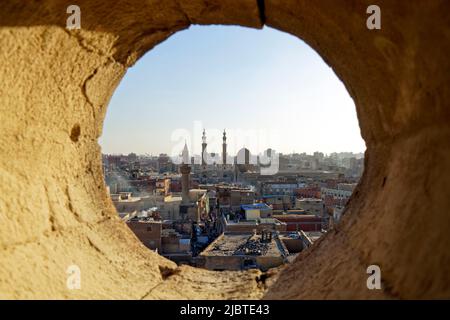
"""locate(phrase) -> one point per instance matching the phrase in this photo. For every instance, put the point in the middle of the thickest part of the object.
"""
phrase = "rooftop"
(254, 222)
(255, 206)
(273, 196)
(172, 199)
(120, 198)
(242, 244)
(310, 200)
(143, 220)
(297, 217)
(294, 211)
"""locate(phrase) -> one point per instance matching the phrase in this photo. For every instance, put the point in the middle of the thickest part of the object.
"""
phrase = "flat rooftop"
(309, 200)
(296, 217)
(143, 220)
(255, 206)
(172, 199)
(129, 199)
(255, 221)
(242, 244)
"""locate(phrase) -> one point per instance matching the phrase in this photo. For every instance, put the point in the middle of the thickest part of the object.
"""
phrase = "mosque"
(224, 170)
(227, 169)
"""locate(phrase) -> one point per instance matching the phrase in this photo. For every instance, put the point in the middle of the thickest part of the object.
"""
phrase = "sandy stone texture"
(55, 86)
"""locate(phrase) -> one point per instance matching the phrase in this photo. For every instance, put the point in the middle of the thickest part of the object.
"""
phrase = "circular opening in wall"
(53, 209)
(231, 142)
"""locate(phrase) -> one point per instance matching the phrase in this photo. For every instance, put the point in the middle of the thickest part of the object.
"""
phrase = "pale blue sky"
(268, 88)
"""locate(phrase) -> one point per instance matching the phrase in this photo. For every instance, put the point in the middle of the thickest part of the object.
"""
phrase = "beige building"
(147, 230)
(311, 206)
(256, 211)
(125, 203)
(167, 206)
(170, 208)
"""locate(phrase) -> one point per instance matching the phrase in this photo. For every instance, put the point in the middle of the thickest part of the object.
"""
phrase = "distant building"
(162, 186)
(176, 247)
(298, 222)
(279, 188)
(230, 198)
(126, 203)
(168, 206)
(175, 184)
(185, 170)
(311, 206)
(337, 196)
(244, 251)
(307, 192)
(343, 191)
(278, 202)
(250, 226)
(148, 231)
(256, 211)
(164, 163)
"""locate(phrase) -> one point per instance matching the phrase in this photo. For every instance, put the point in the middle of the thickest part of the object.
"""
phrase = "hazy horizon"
(232, 155)
(267, 88)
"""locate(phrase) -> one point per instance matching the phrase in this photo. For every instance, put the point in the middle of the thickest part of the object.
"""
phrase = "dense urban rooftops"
(242, 244)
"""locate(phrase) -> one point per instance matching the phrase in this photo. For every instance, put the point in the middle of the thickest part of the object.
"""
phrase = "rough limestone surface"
(55, 85)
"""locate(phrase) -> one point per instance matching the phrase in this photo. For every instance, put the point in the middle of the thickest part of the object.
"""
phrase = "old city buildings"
(229, 216)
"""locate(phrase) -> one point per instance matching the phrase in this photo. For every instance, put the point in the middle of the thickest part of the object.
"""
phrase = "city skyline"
(357, 154)
(176, 85)
(195, 148)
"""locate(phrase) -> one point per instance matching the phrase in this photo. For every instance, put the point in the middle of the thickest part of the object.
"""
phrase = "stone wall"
(55, 86)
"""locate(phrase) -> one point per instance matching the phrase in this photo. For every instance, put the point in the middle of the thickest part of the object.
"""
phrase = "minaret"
(185, 172)
(224, 149)
(204, 148)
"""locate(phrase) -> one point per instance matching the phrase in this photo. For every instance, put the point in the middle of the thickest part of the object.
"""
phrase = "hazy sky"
(267, 88)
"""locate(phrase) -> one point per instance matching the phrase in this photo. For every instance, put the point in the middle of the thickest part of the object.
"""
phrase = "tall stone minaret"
(204, 148)
(185, 169)
(224, 149)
